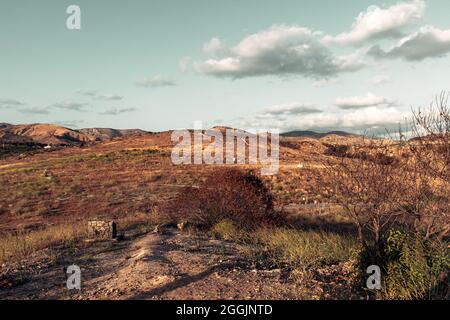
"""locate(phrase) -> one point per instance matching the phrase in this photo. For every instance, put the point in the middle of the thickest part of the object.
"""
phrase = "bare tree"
(381, 184)
(367, 184)
(431, 150)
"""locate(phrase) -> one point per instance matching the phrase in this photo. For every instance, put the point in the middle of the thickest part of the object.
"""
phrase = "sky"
(354, 65)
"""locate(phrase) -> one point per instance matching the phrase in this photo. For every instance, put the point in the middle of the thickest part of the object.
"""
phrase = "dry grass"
(112, 183)
(21, 244)
(18, 246)
(295, 248)
(306, 249)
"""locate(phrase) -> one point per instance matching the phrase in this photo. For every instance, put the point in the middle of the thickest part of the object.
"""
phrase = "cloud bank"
(280, 50)
(369, 100)
(428, 42)
(377, 22)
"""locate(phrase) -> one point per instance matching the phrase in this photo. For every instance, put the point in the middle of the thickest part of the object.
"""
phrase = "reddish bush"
(337, 150)
(226, 194)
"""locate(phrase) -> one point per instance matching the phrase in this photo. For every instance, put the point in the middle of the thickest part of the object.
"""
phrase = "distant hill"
(102, 134)
(43, 134)
(316, 135)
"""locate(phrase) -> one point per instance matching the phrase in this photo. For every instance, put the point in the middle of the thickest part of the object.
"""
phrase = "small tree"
(382, 192)
(367, 185)
(431, 148)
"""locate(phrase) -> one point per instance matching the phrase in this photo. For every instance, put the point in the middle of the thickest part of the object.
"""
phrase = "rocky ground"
(165, 265)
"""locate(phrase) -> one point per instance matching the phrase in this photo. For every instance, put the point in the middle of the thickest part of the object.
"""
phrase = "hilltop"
(52, 134)
(316, 135)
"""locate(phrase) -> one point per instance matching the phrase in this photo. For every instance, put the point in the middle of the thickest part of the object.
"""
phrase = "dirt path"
(168, 265)
(173, 265)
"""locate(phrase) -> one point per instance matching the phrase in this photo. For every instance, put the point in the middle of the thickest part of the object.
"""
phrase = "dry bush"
(388, 196)
(381, 198)
(337, 150)
(226, 194)
(378, 190)
(369, 188)
(344, 151)
(431, 149)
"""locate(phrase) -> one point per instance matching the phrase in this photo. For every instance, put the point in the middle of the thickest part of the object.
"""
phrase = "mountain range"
(51, 134)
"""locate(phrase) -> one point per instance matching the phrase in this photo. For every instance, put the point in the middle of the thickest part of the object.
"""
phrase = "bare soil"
(165, 265)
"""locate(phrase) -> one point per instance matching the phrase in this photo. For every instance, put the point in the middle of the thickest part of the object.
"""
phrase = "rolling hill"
(315, 135)
(50, 134)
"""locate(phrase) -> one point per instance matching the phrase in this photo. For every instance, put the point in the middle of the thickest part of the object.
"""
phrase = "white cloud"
(70, 105)
(428, 42)
(368, 100)
(184, 63)
(100, 96)
(89, 93)
(325, 82)
(280, 50)
(292, 108)
(107, 96)
(156, 81)
(34, 110)
(371, 119)
(378, 22)
(117, 111)
(70, 123)
(10, 103)
(379, 80)
(214, 46)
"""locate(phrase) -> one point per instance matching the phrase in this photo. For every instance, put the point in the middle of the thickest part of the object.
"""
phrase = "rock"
(182, 225)
(99, 229)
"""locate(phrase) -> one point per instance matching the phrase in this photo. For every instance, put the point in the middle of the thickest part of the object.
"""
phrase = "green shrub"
(411, 268)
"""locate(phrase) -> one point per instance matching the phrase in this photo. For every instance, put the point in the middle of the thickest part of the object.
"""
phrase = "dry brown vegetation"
(335, 200)
(226, 194)
(398, 197)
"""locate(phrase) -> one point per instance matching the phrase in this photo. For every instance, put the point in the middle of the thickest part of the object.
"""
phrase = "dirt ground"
(164, 265)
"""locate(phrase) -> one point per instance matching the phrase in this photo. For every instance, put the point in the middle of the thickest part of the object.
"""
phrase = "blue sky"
(157, 65)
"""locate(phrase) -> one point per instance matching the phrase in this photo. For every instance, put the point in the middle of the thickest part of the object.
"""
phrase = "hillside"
(43, 134)
(315, 135)
(102, 134)
(49, 198)
(50, 134)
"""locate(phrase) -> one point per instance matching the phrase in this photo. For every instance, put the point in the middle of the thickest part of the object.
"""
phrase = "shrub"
(305, 249)
(411, 267)
(337, 150)
(228, 231)
(226, 194)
